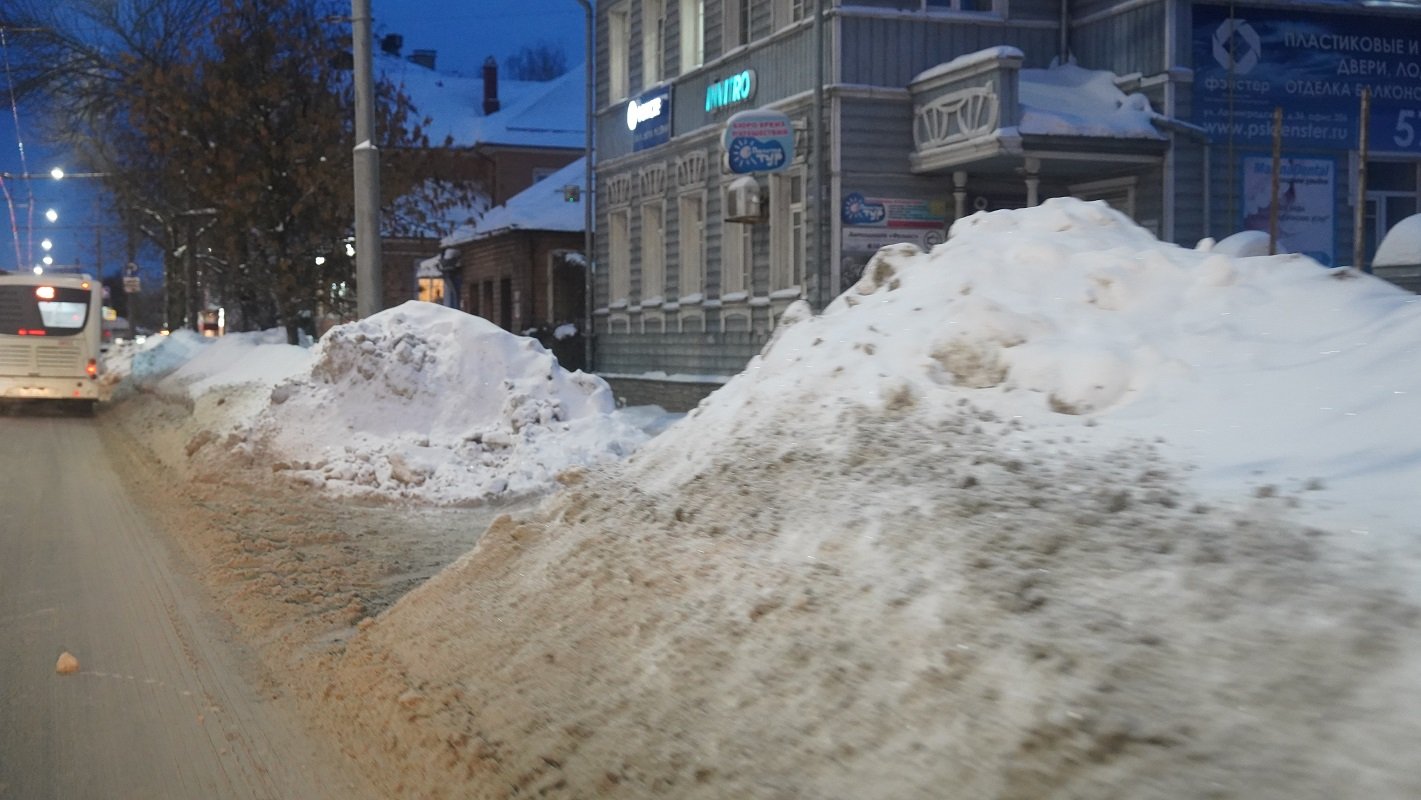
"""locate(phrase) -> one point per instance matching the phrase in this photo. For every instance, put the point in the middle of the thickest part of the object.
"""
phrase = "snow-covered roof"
(1402, 245)
(1067, 100)
(532, 114)
(540, 207)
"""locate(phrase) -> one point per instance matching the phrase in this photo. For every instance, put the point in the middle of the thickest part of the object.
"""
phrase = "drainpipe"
(822, 249)
(1065, 45)
(590, 102)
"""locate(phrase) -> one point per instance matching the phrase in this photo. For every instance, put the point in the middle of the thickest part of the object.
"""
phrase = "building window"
(653, 253)
(787, 229)
(736, 256)
(431, 290)
(1393, 190)
(618, 53)
(736, 24)
(693, 34)
(653, 41)
(998, 6)
(788, 12)
(692, 247)
(619, 253)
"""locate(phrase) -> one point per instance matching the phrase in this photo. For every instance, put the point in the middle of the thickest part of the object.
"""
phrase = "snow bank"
(425, 402)
(1024, 517)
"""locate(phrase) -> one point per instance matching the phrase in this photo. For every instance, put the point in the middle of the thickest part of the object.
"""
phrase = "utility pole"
(369, 279)
(589, 182)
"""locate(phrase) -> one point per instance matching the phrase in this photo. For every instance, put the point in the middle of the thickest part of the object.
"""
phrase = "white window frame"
(653, 41)
(653, 253)
(693, 34)
(788, 229)
(785, 13)
(737, 253)
(618, 53)
(735, 27)
(619, 253)
(691, 247)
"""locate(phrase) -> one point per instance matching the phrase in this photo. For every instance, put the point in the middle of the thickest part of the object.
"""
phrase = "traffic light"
(571, 193)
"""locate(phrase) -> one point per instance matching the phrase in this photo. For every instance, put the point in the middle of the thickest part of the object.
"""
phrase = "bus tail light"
(92, 368)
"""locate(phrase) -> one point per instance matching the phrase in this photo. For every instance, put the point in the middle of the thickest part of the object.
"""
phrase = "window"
(618, 53)
(619, 273)
(693, 34)
(967, 5)
(653, 40)
(61, 311)
(692, 246)
(786, 229)
(1392, 193)
(431, 290)
(653, 253)
(788, 12)
(736, 255)
(737, 25)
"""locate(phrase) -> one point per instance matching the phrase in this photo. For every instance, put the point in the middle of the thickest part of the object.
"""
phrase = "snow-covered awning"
(983, 108)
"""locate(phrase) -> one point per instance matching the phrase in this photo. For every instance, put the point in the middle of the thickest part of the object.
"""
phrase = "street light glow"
(56, 173)
(51, 215)
(47, 244)
(47, 260)
(320, 260)
(39, 270)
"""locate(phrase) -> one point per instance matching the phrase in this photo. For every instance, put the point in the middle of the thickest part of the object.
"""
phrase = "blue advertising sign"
(649, 118)
(759, 141)
(1314, 66)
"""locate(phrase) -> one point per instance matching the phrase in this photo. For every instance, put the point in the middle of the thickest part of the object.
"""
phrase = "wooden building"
(907, 114)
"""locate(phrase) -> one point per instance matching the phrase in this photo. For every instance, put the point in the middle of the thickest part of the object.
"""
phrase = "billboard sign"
(1314, 65)
(759, 141)
(649, 118)
(1306, 205)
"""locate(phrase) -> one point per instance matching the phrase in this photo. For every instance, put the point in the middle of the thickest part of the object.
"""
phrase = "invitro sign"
(738, 88)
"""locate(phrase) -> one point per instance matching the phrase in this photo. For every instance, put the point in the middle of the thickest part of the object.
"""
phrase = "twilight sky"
(465, 32)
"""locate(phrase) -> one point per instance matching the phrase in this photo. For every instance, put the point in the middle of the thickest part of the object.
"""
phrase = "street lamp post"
(369, 280)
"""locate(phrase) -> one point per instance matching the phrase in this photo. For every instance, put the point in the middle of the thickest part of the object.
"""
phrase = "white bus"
(50, 334)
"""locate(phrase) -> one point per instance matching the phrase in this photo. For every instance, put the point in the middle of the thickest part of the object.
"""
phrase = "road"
(167, 703)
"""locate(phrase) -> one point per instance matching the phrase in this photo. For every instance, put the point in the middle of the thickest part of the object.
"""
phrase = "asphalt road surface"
(165, 704)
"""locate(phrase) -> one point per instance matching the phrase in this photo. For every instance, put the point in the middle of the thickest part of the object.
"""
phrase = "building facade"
(907, 114)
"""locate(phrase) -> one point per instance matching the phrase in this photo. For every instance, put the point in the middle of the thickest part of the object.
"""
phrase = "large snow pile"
(1056, 510)
(418, 402)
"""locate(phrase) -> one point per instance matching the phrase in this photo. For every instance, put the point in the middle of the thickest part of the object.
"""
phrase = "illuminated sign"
(758, 140)
(649, 118)
(737, 88)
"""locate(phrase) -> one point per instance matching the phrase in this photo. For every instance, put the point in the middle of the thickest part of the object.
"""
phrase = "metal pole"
(822, 249)
(588, 179)
(369, 281)
(1359, 215)
(1277, 166)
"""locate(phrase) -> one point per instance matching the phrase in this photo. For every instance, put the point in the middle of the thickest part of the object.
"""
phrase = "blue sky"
(465, 32)
(462, 32)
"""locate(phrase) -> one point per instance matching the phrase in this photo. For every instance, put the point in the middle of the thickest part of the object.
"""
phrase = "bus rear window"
(23, 312)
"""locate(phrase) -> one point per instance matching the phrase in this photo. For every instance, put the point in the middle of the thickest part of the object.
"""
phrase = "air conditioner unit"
(742, 201)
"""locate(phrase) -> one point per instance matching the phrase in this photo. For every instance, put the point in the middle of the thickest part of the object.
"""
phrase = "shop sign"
(649, 118)
(1315, 66)
(759, 141)
(738, 88)
(1306, 203)
(893, 212)
(857, 239)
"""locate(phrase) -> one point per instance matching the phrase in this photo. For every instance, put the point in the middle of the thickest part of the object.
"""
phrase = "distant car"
(116, 330)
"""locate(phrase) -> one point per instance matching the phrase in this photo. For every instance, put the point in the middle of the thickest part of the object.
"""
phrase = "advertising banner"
(893, 212)
(1314, 65)
(759, 141)
(649, 118)
(1306, 203)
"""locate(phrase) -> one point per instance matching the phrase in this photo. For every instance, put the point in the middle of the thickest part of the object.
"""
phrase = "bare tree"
(541, 62)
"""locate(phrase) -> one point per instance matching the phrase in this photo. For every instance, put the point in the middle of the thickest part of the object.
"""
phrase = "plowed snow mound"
(425, 402)
(919, 549)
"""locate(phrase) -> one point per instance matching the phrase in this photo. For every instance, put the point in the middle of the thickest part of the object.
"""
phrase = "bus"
(50, 335)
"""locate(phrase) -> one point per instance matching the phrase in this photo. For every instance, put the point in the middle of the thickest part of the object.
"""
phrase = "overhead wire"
(20, 261)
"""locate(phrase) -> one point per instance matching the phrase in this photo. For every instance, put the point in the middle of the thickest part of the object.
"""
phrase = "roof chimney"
(390, 45)
(424, 58)
(491, 104)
